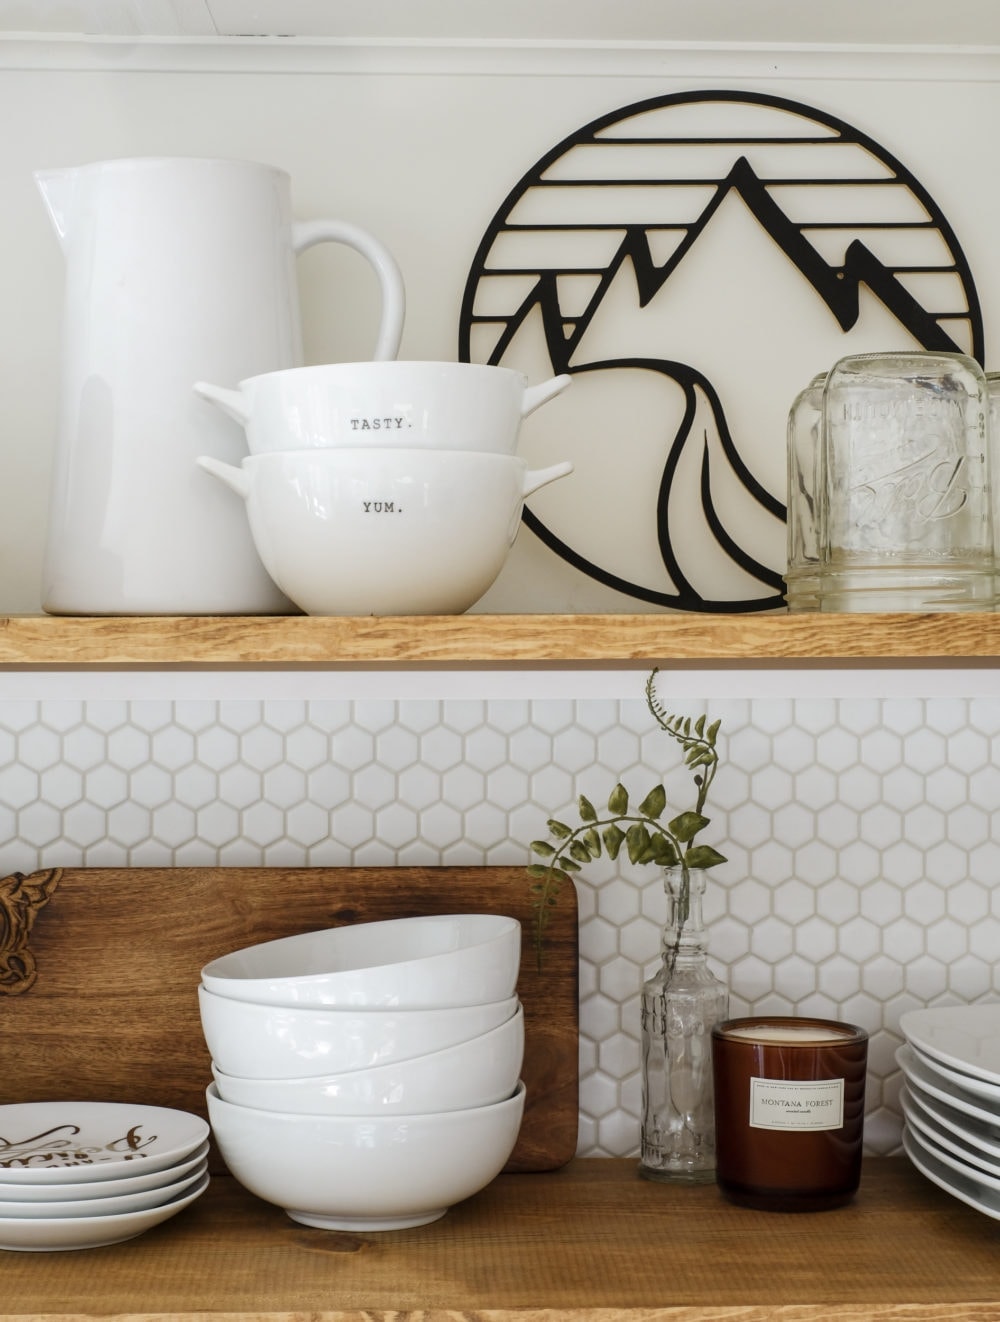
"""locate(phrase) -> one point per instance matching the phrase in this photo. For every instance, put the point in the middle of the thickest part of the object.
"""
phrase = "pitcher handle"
(307, 233)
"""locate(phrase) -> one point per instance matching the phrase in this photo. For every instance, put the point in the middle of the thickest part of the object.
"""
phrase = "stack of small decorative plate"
(951, 1101)
(76, 1175)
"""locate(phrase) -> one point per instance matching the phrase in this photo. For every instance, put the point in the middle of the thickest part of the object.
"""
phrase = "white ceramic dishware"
(107, 1205)
(965, 1188)
(479, 1072)
(384, 531)
(967, 1083)
(49, 1234)
(177, 269)
(420, 963)
(281, 1042)
(957, 1164)
(73, 1142)
(365, 1172)
(964, 1037)
(402, 404)
(923, 1080)
(946, 1120)
(143, 1182)
(936, 1136)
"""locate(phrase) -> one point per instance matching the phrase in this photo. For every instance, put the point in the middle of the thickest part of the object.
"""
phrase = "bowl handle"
(230, 401)
(540, 477)
(535, 396)
(233, 477)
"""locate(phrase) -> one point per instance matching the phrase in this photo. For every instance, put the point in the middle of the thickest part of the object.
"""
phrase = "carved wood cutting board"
(112, 1014)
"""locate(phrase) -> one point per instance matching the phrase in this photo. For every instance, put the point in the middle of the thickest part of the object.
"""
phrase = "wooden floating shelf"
(454, 640)
(589, 1243)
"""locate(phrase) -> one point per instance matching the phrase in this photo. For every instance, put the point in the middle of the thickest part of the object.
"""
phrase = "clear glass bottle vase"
(680, 1006)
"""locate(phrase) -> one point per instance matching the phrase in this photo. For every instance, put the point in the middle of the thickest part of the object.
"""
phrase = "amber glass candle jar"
(789, 1111)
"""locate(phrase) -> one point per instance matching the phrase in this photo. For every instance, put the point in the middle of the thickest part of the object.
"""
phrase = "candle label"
(796, 1103)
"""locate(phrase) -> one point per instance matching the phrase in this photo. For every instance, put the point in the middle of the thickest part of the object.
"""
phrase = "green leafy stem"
(642, 833)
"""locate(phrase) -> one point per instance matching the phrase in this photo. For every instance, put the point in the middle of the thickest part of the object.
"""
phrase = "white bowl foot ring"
(367, 1222)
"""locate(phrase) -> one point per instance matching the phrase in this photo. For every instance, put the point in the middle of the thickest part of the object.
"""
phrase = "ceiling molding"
(887, 22)
(702, 60)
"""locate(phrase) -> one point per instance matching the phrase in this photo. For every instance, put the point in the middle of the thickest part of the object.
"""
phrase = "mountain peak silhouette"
(838, 286)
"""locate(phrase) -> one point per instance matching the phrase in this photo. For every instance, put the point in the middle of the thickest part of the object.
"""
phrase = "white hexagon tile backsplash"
(861, 835)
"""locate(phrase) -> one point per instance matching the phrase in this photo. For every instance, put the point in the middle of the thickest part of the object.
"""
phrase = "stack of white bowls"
(384, 488)
(951, 1100)
(368, 1076)
(76, 1175)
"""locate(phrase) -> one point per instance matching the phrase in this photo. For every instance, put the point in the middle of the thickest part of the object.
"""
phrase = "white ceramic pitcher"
(177, 269)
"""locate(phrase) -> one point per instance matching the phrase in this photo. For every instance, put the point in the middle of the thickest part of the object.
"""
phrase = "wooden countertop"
(592, 1239)
(293, 640)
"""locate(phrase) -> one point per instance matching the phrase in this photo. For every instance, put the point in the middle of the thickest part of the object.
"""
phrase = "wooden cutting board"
(101, 1000)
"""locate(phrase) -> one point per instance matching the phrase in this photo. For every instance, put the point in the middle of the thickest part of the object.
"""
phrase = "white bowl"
(45, 1234)
(284, 1042)
(383, 532)
(479, 1072)
(365, 1172)
(434, 405)
(420, 963)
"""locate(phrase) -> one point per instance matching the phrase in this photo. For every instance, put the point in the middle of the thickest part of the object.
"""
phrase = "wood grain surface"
(113, 1013)
(290, 640)
(591, 1241)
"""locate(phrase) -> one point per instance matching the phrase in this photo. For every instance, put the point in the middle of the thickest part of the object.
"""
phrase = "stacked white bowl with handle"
(384, 488)
(367, 1077)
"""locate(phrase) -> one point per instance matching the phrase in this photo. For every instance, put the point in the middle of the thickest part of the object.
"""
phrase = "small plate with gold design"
(73, 1142)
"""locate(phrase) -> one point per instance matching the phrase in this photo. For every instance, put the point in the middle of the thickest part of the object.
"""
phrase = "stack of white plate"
(951, 1101)
(76, 1175)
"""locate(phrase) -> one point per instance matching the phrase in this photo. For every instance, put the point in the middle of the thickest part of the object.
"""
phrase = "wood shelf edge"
(579, 1245)
(300, 640)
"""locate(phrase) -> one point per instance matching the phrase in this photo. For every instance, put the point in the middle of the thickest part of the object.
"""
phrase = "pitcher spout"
(57, 188)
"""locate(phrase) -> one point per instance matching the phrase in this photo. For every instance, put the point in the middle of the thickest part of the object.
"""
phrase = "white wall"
(421, 143)
(861, 832)
(859, 812)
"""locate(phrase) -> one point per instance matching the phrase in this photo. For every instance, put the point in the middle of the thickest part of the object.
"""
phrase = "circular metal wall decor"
(694, 260)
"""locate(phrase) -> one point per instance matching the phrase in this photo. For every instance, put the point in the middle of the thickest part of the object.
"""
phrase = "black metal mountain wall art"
(633, 201)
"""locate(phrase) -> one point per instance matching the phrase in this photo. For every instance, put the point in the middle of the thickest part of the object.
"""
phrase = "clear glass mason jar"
(906, 505)
(681, 1004)
(993, 438)
(805, 421)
